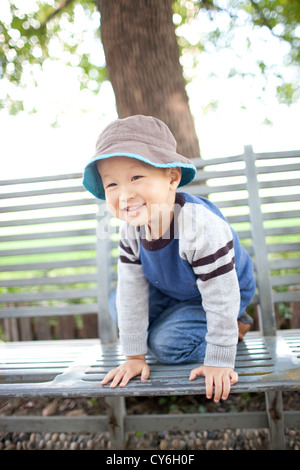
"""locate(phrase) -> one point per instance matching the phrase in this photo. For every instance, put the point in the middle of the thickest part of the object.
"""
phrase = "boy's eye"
(111, 185)
(136, 177)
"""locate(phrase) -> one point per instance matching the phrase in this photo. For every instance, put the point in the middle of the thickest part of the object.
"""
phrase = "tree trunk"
(143, 66)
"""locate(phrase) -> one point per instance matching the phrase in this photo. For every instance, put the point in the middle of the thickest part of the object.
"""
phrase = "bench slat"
(62, 294)
(55, 311)
(278, 168)
(287, 214)
(43, 192)
(49, 249)
(277, 155)
(49, 265)
(41, 179)
(280, 198)
(283, 247)
(281, 231)
(201, 162)
(291, 296)
(279, 183)
(205, 190)
(49, 234)
(207, 174)
(48, 205)
(284, 263)
(47, 220)
(285, 280)
(43, 281)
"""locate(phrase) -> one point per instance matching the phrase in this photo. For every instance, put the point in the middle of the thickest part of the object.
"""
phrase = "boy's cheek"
(112, 208)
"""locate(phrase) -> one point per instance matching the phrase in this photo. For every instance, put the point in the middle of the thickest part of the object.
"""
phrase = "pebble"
(170, 440)
(163, 444)
(50, 409)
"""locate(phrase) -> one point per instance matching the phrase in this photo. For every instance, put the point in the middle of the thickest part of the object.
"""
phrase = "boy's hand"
(220, 377)
(133, 366)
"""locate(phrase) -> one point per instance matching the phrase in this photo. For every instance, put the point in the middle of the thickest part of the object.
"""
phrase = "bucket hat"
(142, 137)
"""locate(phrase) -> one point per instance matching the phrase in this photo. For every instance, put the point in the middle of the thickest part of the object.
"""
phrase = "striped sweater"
(200, 258)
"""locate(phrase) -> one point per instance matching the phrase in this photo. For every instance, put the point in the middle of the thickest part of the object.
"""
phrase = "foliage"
(39, 31)
(33, 32)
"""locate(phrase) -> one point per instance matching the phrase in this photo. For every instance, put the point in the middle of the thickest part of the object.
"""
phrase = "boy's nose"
(126, 195)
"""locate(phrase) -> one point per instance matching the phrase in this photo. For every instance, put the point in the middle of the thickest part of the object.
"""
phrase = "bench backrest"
(54, 237)
(273, 181)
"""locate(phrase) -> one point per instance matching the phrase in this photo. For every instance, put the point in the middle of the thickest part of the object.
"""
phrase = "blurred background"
(239, 62)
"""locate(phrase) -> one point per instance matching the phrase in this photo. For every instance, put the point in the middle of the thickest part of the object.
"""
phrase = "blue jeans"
(176, 332)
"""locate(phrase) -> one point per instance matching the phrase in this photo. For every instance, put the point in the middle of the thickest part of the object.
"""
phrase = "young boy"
(184, 280)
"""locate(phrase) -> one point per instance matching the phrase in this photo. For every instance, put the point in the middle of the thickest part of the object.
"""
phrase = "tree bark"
(143, 65)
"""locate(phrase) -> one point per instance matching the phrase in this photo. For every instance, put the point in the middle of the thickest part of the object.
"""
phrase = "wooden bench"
(54, 237)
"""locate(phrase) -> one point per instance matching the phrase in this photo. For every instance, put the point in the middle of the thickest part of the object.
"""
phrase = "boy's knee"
(170, 348)
(162, 348)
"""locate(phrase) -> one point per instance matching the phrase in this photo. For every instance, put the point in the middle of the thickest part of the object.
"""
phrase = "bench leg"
(276, 420)
(116, 413)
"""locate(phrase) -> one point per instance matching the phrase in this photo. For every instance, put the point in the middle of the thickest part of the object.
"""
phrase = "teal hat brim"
(93, 183)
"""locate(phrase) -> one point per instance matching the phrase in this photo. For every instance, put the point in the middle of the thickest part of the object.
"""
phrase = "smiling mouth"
(134, 209)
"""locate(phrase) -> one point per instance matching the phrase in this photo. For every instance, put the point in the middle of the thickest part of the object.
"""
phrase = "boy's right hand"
(133, 366)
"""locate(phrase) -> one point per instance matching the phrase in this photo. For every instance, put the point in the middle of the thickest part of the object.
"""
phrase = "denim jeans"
(176, 332)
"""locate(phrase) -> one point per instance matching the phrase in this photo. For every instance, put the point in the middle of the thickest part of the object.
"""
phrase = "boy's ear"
(175, 177)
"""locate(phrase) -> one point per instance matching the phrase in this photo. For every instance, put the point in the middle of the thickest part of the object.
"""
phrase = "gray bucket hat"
(142, 137)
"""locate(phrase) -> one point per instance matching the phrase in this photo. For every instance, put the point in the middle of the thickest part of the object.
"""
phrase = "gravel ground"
(205, 440)
(170, 440)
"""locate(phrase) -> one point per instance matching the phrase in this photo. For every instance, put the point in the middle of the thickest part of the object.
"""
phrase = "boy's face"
(137, 192)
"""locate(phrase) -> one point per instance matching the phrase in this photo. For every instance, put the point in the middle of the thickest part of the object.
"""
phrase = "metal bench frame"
(267, 361)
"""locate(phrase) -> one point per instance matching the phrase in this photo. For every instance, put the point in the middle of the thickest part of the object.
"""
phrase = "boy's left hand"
(219, 377)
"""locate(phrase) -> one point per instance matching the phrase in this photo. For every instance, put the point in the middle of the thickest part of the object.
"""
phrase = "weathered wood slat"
(97, 424)
(62, 294)
(281, 168)
(49, 234)
(200, 163)
(279, 183)
(277, 155)
(41, 179)
(47, 220)
(287, 214)
(46, 280)
(283, 247)
(146, 423)
(287, 230)
(234, 219)
(286, 280)
(48, 265)
(191, 422)
(232, 203)
(289, 296)
(205, 190)
(206, 174)
(285, 263)
(280, 198)
(136, 423)
(43, 192)
(48, 205)
(55, 311)
(49, 249)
